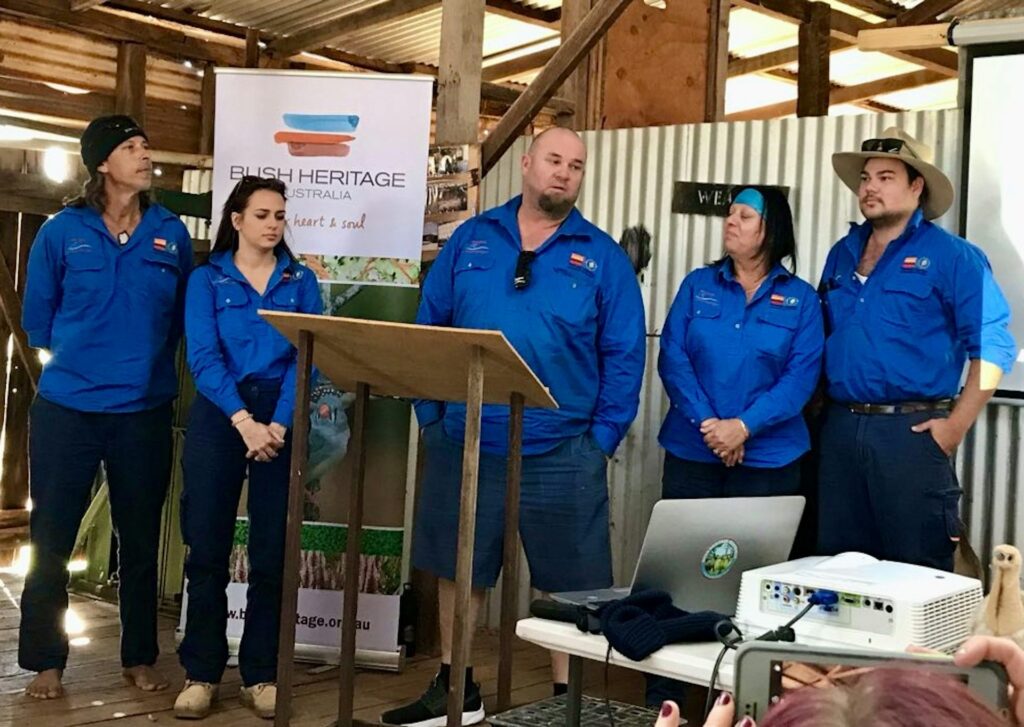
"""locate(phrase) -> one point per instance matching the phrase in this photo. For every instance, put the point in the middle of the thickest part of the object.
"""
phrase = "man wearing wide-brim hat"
(907, 304)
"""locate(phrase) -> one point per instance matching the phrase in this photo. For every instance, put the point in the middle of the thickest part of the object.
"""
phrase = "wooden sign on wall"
(698, 198)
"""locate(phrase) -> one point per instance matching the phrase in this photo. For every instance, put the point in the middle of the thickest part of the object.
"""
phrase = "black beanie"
(103, 135)
(643, 622)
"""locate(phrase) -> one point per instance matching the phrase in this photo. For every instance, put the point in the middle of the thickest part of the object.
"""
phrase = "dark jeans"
(214, 469)
(684, 480)
(885, 490)
(66, 448)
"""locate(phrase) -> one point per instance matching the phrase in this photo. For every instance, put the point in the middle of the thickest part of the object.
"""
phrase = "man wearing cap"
(907, 304)
(104, 294)
(566, 297)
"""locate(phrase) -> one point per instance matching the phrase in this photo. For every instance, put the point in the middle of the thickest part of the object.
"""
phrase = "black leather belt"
(903, 407)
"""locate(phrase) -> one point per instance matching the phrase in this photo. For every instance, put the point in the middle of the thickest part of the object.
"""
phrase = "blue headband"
(752, 198)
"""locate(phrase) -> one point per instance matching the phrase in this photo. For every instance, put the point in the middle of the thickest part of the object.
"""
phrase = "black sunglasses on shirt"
(521, 279)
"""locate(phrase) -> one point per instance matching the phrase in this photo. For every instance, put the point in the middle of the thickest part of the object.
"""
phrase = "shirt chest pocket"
(285, 298)
(908, 299)
(232, 309)
(704, 327)
(161, 276)
(473, 281)
(86, 279)
(773, 337)
(573, 299)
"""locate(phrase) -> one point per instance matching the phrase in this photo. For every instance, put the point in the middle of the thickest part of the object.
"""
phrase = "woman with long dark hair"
(740, 357)
(245, 378)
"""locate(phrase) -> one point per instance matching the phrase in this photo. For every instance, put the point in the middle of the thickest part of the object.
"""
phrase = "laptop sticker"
(719, 558)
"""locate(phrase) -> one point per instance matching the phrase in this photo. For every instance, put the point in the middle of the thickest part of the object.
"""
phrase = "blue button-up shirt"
(722, 357)
(579, 324)
(110, 314)
(227, 340)
(930, 304)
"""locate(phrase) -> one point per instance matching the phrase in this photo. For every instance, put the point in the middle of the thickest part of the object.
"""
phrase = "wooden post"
(207, 106)
(293, 531)
(20, 386)
(252, 48)
(131, 81)
(347, 675)
(463, 623)
(459, 75)
(718, 59)
(510, 560)
(813, 85)
(576, 86)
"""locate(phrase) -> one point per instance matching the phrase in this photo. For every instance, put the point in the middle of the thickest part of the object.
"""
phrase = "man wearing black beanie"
(104, 294)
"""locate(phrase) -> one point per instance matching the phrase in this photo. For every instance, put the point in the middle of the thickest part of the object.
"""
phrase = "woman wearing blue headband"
(740, 357)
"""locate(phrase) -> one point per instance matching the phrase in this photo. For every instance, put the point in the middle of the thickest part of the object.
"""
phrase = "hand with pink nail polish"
(669, 716)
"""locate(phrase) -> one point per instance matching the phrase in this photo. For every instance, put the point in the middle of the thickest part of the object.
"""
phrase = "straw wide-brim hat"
(850, 164)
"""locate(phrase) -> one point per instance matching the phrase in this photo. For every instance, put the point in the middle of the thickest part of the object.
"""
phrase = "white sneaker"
(261, 699)
(195, 700)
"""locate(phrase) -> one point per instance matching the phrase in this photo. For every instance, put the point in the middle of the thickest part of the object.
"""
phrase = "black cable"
(607, 700)
(782, 633)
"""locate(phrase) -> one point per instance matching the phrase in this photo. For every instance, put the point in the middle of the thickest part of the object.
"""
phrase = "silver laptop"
(696, 550)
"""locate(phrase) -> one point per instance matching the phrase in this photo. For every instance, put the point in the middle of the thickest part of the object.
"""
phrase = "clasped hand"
(725, 437)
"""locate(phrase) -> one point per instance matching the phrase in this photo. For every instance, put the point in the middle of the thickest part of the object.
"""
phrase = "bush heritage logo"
(318, 135)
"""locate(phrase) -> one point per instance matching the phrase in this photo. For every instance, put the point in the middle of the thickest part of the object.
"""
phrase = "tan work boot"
(261, 699)
(195, 700)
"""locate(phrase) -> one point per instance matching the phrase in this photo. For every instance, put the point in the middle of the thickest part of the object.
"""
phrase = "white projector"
(882, 604)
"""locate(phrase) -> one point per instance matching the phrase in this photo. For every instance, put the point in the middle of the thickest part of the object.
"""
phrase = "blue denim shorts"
(563, 514)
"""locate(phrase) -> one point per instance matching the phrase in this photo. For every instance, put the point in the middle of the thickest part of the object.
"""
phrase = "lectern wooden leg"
(347, 677)
(467, 532)
(293, 531)
(510, 561)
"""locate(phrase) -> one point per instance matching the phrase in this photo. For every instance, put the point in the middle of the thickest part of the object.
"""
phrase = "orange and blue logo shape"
(318, 135)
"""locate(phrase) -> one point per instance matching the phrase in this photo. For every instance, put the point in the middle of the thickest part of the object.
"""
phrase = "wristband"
(744, 425)
(236, 422)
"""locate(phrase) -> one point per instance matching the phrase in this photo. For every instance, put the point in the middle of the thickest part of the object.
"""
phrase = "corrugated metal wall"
(629, 181)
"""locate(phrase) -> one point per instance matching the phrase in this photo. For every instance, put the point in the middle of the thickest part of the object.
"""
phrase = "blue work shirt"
(579, 324)
(110, 314)
(228, 342)
(930, 304)
(722, 357)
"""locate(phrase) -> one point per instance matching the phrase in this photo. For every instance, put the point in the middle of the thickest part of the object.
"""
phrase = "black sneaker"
(431, 709)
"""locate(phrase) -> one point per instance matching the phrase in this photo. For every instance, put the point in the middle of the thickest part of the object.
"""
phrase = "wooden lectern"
(416, 362)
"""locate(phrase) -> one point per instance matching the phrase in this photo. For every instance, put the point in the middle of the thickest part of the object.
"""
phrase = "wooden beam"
(252, 48)
(927, 11)
(718, 60)
(545, 18)
(904, 38)
(516, 66)
(130, 90)
(846, 27)
(507, 95)
(182, 17)
(767, 61)
(71, 130)
(459, 75)
(330, 31)
(207, 105)
(569, 54)
(846, 94)
(114, 26)
(79, 5)
(813, 80)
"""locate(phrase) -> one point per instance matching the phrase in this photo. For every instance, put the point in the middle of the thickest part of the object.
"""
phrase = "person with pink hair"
(888, 697)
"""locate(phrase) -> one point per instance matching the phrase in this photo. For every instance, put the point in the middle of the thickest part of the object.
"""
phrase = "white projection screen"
(993, 203)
